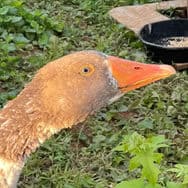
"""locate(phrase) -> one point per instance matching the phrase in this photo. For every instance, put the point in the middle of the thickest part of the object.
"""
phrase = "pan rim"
(158, 45)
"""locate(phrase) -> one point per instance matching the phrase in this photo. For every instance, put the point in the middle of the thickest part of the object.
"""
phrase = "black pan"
(159, 40)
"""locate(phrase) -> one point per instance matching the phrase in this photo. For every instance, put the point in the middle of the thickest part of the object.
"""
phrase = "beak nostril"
(137, 68)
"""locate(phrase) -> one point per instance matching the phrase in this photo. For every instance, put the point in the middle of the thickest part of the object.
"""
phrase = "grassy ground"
(83, 157)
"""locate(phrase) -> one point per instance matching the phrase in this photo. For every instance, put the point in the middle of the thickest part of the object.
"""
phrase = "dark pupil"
(86, 70)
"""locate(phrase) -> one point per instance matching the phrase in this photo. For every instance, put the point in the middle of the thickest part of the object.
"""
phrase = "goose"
(62, 94)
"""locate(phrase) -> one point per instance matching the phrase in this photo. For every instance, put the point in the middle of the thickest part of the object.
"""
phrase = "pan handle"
(180, 66)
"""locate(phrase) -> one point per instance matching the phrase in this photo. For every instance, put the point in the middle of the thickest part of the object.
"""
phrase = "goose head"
(81, 83)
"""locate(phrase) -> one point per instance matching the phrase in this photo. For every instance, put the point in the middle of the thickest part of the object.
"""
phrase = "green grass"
(83, 157)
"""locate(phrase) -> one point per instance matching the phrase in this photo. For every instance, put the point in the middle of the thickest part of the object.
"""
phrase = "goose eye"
(87, 70)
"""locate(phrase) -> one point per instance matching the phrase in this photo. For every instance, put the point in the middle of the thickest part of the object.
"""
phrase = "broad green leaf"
(120, 148)
(134, 163)
(149, 185)
(158, 142)
(4, 10)
(150, 170)
(37, 13)
(3, 64)
(29, 29)
(17, 3)
(135, 183)
(35, 25)
(145, 124)
(19, 38)
(7, 19)
(8, 47)
(175, 185)
(15, 19)
(12, 10)
(158, 157)
(44, 39)
(58, 26)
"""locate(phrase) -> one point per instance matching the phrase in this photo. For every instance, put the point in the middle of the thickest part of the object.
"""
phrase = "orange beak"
(131, 75)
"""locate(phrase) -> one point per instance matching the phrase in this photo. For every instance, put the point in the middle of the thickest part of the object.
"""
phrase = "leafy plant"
(144, 156)
(21, 26)
(143, 153)
(23, 32)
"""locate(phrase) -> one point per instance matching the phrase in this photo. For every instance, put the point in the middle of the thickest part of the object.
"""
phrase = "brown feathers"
(63, 93)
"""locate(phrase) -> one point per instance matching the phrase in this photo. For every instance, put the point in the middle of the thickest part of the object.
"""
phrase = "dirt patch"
(128, 114)
(82, 135)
